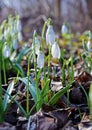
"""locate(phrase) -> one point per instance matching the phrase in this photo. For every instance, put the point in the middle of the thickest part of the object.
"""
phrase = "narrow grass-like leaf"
(1, 106)
(23, 52)
(90, 100)
(56, 96)
(31, 88)
(32, 81)
(19, 69)
(18, 104)
(87, 98)
(45, 90)
(6, 97)
(1, 100)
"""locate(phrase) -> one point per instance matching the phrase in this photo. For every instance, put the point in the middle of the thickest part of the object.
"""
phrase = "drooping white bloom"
(12, 31)
(55, 51)
(6, 51)
(15, 44)
(88, 45)
(20, 37)
(40, 59)
(12, 57)
(64, 29)
(19, 26)
(50, 35)
(6, 31)
(36, 45)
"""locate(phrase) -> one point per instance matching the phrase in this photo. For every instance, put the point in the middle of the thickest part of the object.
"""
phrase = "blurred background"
(33, 13)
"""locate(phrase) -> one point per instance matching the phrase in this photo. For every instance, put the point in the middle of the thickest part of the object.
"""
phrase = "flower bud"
(6, 51)
(19, 26)
(88, 45)
(6, 31)
(55, 50)
(12, 31)
(50, 35)
(64, 29)
(12, 57)
(40, 60)
(15, 44)
(36, 45)
(20, 37)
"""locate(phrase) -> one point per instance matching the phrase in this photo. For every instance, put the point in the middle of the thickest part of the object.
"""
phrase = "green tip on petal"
(35, 33)
(49, 21)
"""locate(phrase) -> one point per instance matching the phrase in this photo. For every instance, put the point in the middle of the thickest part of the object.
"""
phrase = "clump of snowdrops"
(86, 56)
(42, 64)
(10, 36)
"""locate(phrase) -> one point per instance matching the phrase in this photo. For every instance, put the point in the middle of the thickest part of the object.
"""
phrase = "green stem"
(4, 71)
(68, 98)
(72, 69)
(43, 32)
(1, 100)
(27, 99)
(63, 72)
(27, 90)
(49, 61)
(0, 81)
(43, 41)
(35, 67)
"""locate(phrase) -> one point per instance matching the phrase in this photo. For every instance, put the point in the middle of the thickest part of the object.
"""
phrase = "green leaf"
(19, 69)
(56, 96)
(18, 104)
(6, 97)
(90, 100)
(45, 90)
(32, 81)
(23, 52)
(1, 100)
(1, 106)
(31, 88)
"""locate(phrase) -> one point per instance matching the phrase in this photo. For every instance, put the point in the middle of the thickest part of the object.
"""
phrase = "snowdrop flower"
(12, 31)
(20, 37)
(6, 51)
(36, 45)
(11, 20)
(64, 29)
(88, 45)
(19, 26)
(12, 57)
(55, 50)
(40, 59)
(6, 31)
(15, 44)
(50, 35)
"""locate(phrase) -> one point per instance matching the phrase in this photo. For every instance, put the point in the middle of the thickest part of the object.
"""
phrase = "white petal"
(55, 50)
(6, 51)
(20, 37)
(40, 60)
(15, 44)
(19, 26)
(64, 29)
(50, 35)
(36, 45)
(89, 45)
(5, 33)
(12, 57)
